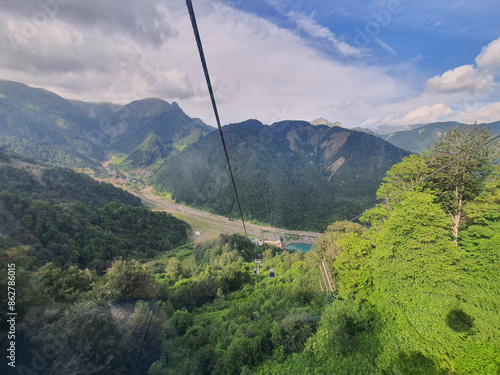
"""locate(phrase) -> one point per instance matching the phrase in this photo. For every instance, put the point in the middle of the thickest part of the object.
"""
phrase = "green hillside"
(148, 152)
(134, 123)
(41, 125)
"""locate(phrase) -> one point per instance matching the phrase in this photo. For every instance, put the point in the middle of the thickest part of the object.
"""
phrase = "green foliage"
(480, 239)
(412, 298)
(174, 268)
(468, 174)
(181, 321)
(64, 286)
(403, 176)
(144, 334)
(417, 279)
(158, 368)
(247, 319)
(354, 273)
(84, 340)
(463, 180)
(295, 329)
(346, 328)
(69, 219)
(130, 280)
(327, 247)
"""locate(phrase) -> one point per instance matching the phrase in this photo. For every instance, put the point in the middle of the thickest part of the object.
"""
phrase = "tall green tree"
(400, 177)
(462, 181)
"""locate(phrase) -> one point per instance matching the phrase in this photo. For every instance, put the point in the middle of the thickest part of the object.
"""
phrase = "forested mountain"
(48, 128)
(418, 140)
(290, 174)
(151, 129)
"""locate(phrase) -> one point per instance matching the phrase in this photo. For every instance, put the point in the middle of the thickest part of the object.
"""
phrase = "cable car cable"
(428, 176)
(214, 105)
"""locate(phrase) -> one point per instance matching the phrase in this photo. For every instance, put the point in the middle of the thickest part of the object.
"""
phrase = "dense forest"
(69, 219)
(416, 284)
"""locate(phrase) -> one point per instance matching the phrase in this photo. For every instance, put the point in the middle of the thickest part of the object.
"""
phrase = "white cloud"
(266, 72)
(464, 78)
(490, 55)
(422, 115)
(386, 46)
(427, 114)
(370, 121)
(485, 114)
(315, 30)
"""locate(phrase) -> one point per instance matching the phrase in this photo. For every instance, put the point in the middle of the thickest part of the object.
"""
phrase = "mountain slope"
(40, 124)
(418, 140)
(290, 174)
(323, 121)
(131, 125)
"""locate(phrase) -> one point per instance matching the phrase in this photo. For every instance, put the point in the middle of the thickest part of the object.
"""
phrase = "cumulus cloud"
(280, 76)
(427, 114)
(485, 114)
(464, 78)
(92, 50)
(490, 55)
(145, 22)
(422, 115)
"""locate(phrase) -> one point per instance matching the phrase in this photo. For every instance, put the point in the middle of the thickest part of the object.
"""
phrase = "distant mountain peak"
(323, 121)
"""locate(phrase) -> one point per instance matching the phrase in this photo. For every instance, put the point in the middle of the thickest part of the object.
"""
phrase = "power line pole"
(327, 277)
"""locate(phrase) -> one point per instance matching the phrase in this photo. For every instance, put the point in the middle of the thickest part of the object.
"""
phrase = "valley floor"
(209, 225)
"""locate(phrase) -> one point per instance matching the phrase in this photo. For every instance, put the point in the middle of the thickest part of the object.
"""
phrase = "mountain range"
(419, 139)
(415, 138)
(40, 124)
(291, 174)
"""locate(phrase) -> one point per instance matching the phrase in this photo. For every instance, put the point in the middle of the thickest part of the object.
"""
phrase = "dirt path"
(209, 225)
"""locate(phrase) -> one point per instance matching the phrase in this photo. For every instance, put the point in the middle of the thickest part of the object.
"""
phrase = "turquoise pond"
(300, 246)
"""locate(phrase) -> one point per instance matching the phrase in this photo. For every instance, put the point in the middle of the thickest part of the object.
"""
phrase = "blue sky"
(395, 62)
(440, 35)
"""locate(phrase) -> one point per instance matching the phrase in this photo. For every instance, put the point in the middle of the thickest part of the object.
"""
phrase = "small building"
(197, 233)
(257, 242)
